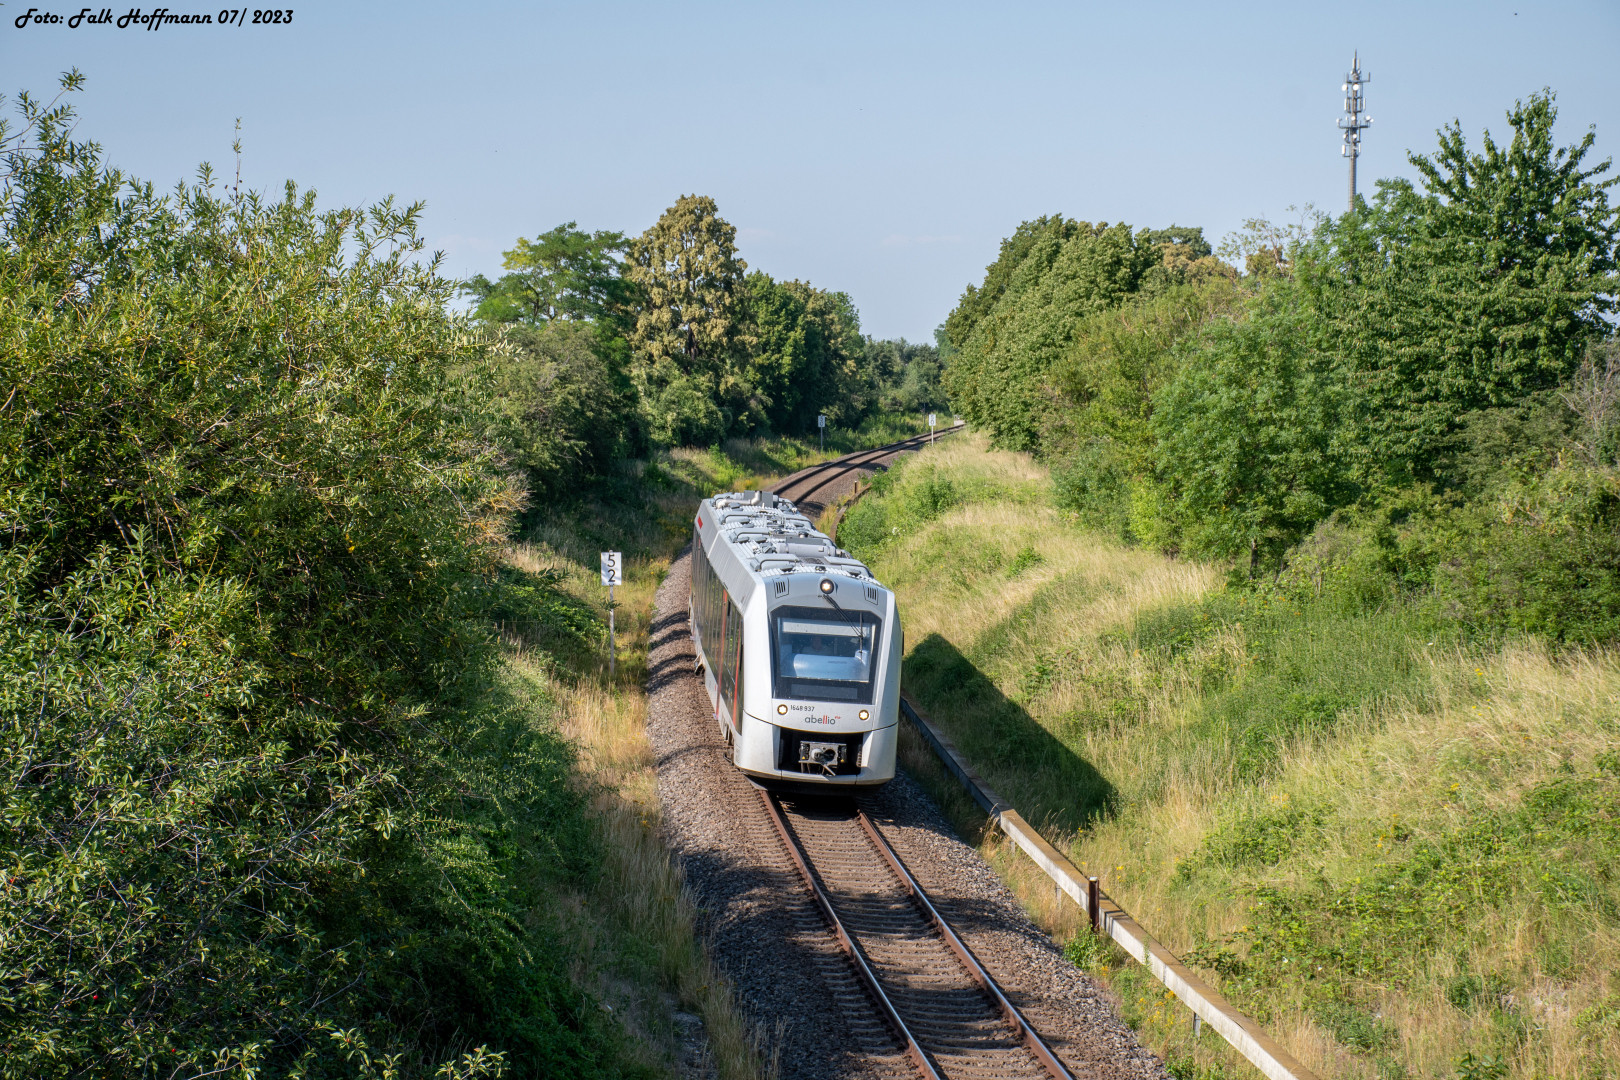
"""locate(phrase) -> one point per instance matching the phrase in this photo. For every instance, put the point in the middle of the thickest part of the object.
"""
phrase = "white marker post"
(612, 574)
(821, 431)
(931, 420)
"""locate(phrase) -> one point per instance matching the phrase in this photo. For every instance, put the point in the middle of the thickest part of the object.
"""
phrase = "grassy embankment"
(1393, 846)
(632, 928)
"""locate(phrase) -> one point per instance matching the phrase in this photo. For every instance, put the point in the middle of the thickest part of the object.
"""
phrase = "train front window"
(823, 654)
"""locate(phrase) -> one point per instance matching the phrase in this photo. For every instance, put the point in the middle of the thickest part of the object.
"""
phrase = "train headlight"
(865, 715)
(826, 585)
(781, 710)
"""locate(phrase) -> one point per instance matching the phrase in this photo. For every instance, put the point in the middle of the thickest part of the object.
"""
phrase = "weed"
(1603, 1015)
(1091, 951)
(1354, 1025)
(1487, 1067)
(1256, 838)
(1026, 558)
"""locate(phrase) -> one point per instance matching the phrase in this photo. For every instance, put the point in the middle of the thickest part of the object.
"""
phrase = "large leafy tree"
(808, 354)
(565, 273)
(693, 311)
(1478, 286)
(978, 301)
(691, 337)
(1052, 275)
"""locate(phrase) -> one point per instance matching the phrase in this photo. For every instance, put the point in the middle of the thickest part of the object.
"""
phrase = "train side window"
(737, 666)
(717, 618)
(730, 650)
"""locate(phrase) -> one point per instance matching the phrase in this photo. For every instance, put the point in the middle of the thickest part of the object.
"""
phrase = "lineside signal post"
(612, 574)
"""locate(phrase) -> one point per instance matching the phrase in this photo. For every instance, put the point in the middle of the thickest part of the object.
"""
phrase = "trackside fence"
(1109, 918)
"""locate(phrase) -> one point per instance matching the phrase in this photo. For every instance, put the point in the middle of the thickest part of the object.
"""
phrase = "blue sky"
(881, 149)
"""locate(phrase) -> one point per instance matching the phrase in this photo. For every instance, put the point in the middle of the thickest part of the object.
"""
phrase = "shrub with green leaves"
(1246, 435)
(1473, 288)
(266, 807)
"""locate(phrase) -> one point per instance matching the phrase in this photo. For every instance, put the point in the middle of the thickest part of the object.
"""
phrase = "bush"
(1540, 556)
(562, 406)
(1246, 435)
(1531, 572)
(899, 507)
(1095, 483)
(268, 807)
(683, 413)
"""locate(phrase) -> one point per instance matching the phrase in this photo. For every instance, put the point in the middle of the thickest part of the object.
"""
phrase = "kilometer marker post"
(932, 418)
(612, 574)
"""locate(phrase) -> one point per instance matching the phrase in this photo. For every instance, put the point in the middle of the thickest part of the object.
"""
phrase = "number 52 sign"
(612, 568)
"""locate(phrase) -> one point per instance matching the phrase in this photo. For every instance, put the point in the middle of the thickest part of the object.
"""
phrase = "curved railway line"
(808, 488)
(950, 1017)
(825, 930)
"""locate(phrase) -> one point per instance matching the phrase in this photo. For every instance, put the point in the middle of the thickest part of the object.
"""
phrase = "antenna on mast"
(1353, 124)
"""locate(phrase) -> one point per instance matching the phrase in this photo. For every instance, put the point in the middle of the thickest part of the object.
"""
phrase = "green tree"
(978, 301)
(1480, 288)
(807, 355)
(691, 335)
(908, 374)
(1245, 435)
(1121, 357)
(561, 410)
(1000, 374)
(1103, 435)
(565, 273)
(564, 403)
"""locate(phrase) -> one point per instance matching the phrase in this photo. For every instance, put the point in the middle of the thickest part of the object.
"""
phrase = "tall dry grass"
(1446, 737)
(638, 944)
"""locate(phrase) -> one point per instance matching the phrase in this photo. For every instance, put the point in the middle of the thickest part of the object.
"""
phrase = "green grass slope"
(1395, 847)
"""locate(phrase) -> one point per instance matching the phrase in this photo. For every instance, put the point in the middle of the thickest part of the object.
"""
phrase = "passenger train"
(799, 644)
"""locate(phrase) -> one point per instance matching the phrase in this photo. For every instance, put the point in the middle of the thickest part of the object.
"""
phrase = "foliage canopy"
(267, 807)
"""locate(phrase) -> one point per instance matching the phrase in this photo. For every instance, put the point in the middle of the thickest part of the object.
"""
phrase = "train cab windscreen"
(819, 654)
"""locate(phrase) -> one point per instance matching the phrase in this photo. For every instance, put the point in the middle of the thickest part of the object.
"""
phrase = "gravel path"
(790, 978)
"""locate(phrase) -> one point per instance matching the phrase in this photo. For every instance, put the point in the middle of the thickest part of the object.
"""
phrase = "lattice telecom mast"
(1353, 124)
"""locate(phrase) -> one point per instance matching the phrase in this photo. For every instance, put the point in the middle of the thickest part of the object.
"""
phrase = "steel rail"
(857, 955)
(827, 471)
(919, 1055)
(975, 970)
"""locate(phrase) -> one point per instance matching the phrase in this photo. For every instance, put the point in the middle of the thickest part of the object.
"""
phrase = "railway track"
(947, 1013)
(906, 968)
(807, 488)
(828, 933)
